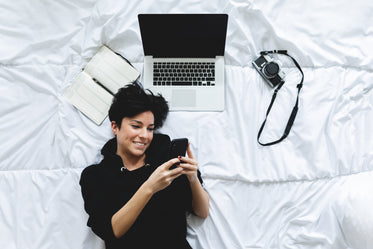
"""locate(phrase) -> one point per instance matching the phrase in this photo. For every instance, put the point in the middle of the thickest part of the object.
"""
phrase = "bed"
(312, 190)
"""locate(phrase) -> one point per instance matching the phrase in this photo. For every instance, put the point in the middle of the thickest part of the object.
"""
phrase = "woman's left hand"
(200, 198)
(189, 165)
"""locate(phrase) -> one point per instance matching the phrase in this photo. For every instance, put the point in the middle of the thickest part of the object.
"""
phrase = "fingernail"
(179, 157)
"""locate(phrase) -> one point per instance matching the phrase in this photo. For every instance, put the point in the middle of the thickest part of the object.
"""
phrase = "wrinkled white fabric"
(313, 190)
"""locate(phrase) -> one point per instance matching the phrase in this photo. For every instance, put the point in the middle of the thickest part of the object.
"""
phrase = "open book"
(93, 89)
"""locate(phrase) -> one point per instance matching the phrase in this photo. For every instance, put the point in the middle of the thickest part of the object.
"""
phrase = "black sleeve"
(199, 176)
(96, 203)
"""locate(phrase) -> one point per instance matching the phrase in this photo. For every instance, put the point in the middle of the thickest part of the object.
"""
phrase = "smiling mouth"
(141, 144)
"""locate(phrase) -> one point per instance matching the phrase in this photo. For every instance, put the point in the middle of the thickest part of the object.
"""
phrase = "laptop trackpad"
(181, 98)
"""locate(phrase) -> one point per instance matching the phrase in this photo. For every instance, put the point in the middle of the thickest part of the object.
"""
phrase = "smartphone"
(178, 147)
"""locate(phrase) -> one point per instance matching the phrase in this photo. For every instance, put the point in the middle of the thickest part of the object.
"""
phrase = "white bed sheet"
(313, 190)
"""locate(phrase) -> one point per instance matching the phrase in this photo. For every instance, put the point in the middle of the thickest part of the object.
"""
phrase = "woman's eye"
(135, 126)
(150, 129)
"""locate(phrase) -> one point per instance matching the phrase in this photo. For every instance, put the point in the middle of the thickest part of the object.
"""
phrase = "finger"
(188, 167)
(189, 152)
(170, 162)
(188, 160)
(175, 171)
(172, 178)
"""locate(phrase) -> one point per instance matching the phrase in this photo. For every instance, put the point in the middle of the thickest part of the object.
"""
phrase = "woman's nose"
(144, 133)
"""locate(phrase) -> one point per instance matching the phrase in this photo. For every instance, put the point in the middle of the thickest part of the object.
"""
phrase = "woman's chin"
(138, 152)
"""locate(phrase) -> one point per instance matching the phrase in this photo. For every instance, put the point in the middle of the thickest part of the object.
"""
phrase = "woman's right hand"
(122, 220)
(163, 176)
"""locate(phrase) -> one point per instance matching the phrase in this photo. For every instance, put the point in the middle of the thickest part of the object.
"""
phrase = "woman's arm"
(200, 198)
(122, 220)
(200, 202)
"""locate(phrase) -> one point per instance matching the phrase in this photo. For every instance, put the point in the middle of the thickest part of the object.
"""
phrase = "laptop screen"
(183, 35)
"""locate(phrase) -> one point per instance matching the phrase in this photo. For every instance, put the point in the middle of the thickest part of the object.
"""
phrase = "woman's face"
(135, 134)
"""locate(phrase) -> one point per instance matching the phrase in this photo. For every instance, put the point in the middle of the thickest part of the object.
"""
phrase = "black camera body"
(269, 69)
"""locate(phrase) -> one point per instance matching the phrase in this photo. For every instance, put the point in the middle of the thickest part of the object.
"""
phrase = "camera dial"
(271, 69)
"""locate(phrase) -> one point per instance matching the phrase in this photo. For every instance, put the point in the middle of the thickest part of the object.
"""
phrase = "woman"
(132, 197)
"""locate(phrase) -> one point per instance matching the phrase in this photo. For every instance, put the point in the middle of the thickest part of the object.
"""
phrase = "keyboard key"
(181, 83)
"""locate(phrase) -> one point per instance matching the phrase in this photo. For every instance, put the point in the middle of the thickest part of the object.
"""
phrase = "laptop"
(184, 59)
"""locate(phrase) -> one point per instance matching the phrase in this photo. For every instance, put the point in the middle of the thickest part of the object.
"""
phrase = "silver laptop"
(184, 59)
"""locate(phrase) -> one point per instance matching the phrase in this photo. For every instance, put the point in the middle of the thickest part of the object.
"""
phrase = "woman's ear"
(114, 127)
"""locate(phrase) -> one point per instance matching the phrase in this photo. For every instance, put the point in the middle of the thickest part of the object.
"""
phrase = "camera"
(269, 69)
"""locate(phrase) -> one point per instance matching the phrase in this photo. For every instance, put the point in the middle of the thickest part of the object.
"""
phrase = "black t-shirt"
(105, 189)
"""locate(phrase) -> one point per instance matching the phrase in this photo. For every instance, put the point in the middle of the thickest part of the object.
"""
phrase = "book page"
(90, 98)
(112, 71)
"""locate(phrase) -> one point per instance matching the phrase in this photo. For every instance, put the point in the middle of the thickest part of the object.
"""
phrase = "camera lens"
(271, 69)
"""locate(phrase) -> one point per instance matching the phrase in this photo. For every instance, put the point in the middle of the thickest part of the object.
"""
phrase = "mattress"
(312, 190)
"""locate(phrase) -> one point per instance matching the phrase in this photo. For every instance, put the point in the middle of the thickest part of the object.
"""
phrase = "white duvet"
(313, 190)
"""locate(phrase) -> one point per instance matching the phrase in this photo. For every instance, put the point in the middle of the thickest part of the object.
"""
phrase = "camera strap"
(295, 108)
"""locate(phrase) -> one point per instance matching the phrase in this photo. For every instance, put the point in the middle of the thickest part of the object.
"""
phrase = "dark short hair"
(131, 100)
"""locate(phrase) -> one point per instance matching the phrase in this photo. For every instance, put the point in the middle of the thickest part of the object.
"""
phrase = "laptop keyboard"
(184, 74)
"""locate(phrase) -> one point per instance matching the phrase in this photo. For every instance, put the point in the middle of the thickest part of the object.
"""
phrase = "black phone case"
(178, 147)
